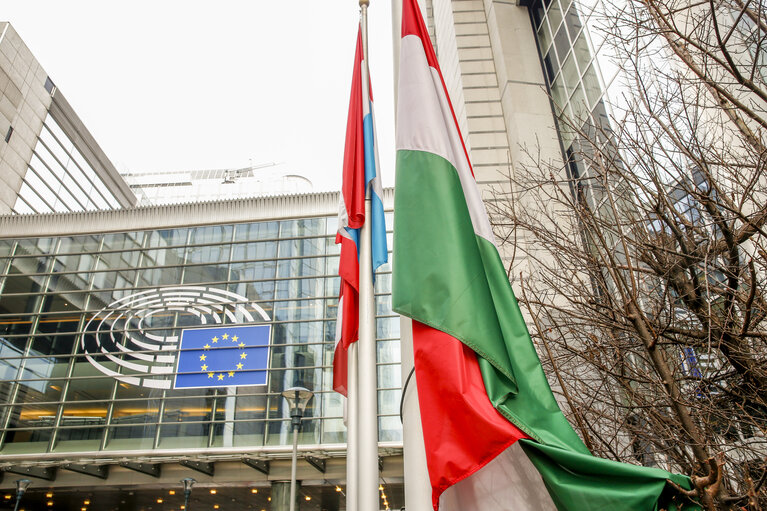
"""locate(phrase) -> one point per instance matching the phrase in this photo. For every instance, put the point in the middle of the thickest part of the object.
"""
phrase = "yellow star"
(243, 355)
(203, 357)
(215, 339)
(221, 376)
(210, 375)
(225, 336)
(239, 366)
(203, 367)
(231, 373)
(234, 339)
(206, 347)
(241, 345)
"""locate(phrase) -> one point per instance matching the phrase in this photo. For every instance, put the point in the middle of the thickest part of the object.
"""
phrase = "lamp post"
(297, 398)
(21, 488)
(188, 483)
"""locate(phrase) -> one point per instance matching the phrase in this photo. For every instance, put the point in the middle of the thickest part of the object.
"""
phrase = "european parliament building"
(100, 300)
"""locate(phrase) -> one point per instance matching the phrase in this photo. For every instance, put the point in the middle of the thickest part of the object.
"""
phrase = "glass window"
(544, 36)
(57, 399)
(591, 84)
(570, 73)
(582, 52)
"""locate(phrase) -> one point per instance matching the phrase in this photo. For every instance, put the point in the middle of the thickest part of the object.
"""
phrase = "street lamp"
(297, 398)
(21, 487)
(188, 483)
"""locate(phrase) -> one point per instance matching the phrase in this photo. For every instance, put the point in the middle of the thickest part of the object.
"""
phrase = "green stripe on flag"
(434, 238)
(578, 482)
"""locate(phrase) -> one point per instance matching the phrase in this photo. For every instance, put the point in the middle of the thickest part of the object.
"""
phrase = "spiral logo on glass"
(133, 339)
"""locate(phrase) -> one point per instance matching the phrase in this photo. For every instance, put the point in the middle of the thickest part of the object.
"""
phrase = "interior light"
(49, 495)
(254, 490)
(212, 491)
(159, 501)
(50, 503)
(171, 492)
(380, 487)
(308, 497)
(215, 506)
(338, 488)
(7, 497)
(267, 498)
(87, 503)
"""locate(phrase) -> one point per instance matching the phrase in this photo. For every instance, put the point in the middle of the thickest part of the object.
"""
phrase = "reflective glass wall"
(90, 329)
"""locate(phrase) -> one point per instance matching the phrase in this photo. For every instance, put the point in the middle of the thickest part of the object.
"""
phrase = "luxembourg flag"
(360, 172)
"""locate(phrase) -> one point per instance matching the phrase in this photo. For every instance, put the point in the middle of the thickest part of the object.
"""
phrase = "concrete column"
(281, 496)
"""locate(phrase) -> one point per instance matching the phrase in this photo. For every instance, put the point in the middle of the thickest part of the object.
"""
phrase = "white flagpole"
(368, 498)
(352, 428)
(417, 485)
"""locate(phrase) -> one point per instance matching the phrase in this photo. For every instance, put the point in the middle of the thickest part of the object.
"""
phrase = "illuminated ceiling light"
(50, 503)
(171, 492)
(159, 501)
(254, 490)
(83, 509)
(338, 488)
(215, 506)
(49, 495)
(308, 497)
(380, 487)
(213, 491)
(269, 499)
(7, 497)
(87, 503)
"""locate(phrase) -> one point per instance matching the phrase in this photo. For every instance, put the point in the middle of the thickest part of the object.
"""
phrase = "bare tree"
(647, 250)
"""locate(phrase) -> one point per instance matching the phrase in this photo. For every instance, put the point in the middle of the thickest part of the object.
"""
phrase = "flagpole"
(352, 429)
(367, 496)
(416, 472)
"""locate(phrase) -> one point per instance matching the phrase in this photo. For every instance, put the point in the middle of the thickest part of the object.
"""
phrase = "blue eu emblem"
(228, 356)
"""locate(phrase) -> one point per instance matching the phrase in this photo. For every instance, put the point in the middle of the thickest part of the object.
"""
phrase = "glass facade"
(59, 179)
(90, 328)
(570, 65)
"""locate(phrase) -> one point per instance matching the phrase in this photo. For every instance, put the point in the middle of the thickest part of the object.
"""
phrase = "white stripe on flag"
(425, 123)
(508, 483)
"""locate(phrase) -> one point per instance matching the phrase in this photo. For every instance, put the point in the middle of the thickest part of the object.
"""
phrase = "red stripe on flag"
(353, 185)
(462, 431)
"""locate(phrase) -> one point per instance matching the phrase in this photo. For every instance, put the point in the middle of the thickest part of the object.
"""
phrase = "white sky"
(193, 84)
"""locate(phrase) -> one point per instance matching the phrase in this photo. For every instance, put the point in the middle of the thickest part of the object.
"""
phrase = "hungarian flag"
(360, 173)
(494, 435)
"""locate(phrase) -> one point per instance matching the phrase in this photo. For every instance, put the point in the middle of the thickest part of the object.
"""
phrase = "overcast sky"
(192, 84)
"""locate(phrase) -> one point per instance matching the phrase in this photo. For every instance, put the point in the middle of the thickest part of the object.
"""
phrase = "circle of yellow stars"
(220, 376)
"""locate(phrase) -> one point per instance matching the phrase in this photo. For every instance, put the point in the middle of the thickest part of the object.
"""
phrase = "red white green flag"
(494, 435)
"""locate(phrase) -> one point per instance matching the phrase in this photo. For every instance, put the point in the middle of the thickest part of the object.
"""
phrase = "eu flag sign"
(224, 356)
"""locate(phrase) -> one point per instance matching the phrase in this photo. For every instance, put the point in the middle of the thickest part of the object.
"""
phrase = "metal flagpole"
(417, 485)
(352, 429)
(367, 495)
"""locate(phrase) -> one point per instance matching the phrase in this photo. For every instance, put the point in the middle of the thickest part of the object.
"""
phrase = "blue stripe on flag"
(380, 252)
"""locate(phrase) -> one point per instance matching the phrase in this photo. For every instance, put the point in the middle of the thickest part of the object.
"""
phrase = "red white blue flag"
(360, 171)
